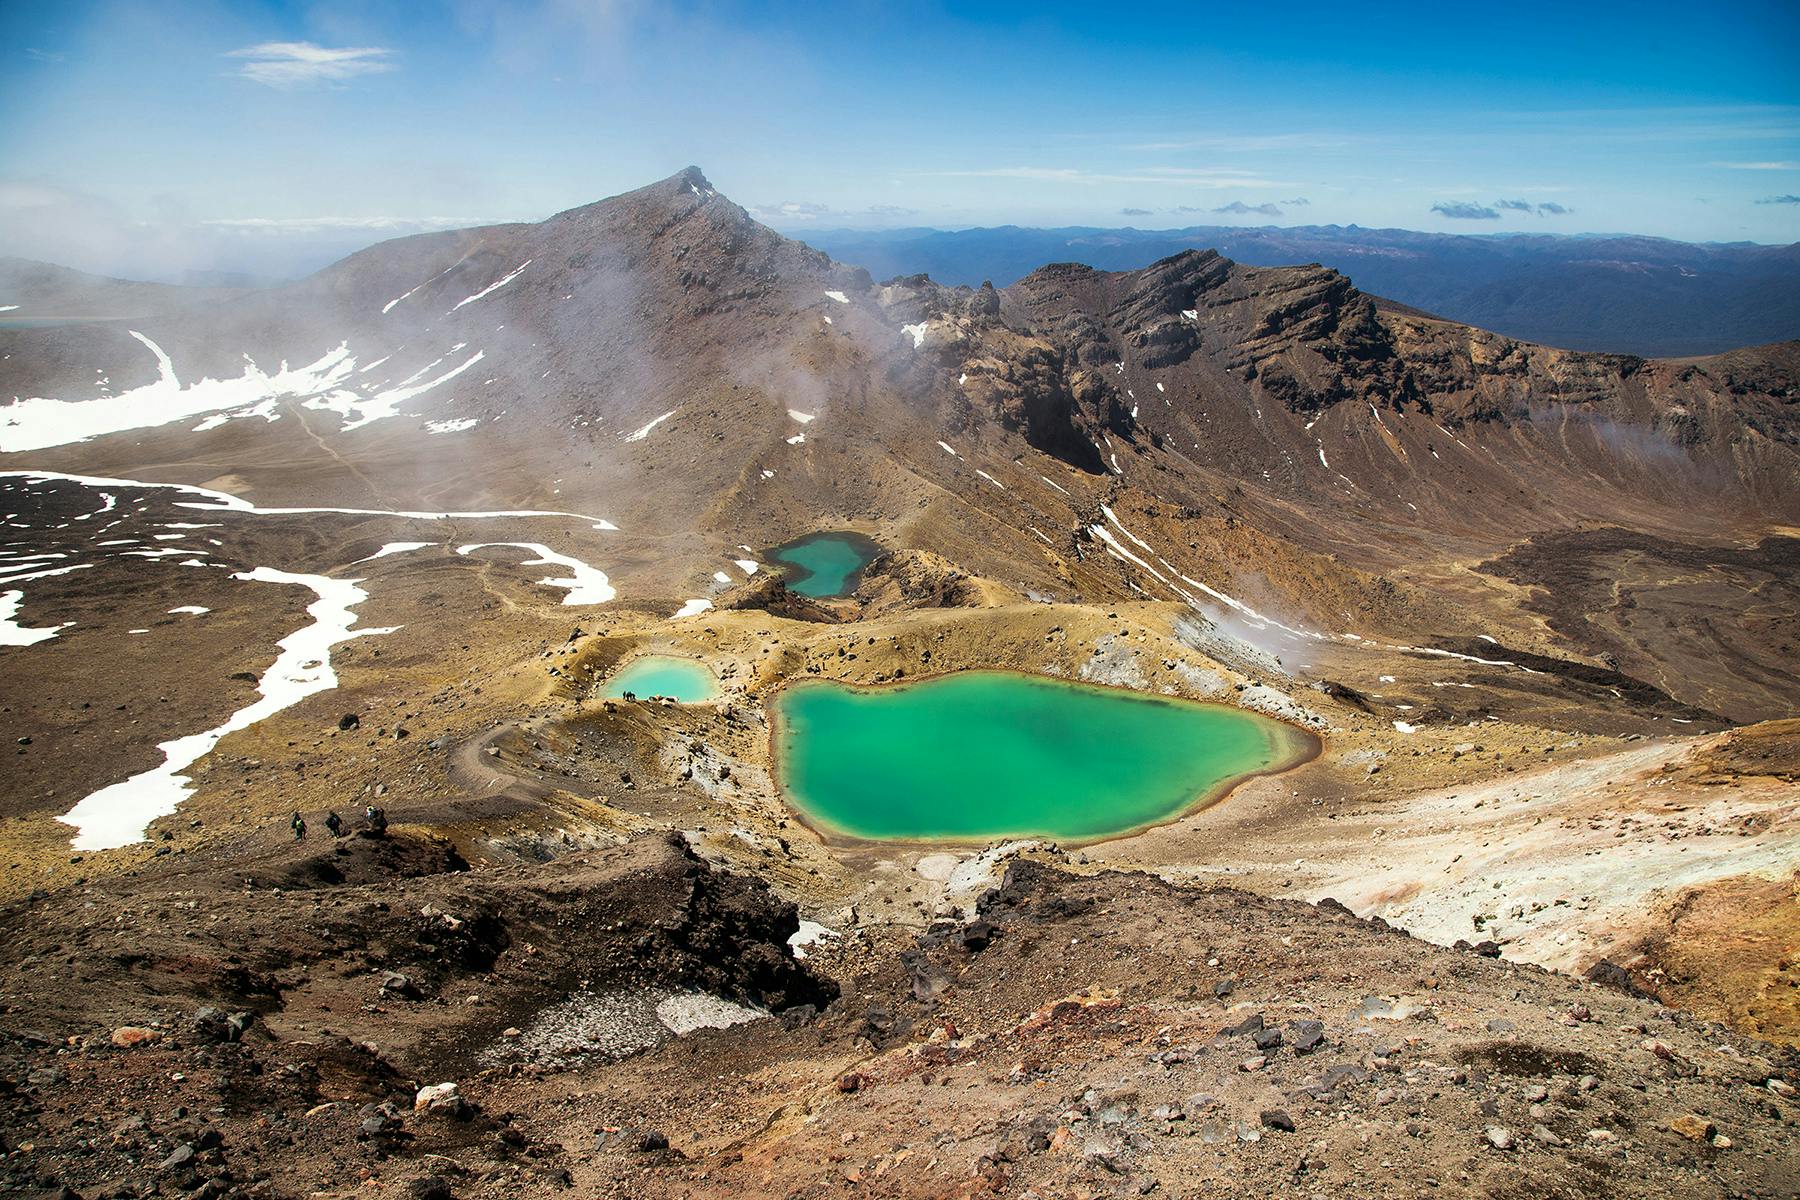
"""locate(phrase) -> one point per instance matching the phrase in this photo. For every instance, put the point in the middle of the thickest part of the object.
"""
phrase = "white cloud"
(1177, 176)
(1251, 143)
(297, 64)
(1758, 166)
(795, 212)
(312, 224)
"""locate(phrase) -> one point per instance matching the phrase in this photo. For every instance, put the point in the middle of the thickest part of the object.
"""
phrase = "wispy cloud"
(1463, 210)
(1238, 206)
(1248, 143)
(44, 56)
(1781, 200)
(1200, 177)
(1547, 208)
(315, 224)
(1298, 202)
(1134, 212)
(1776, 165)
(299, 64)
(793, 212)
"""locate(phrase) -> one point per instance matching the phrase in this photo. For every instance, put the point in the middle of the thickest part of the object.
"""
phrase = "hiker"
(298, 824)
(377, 818)
(334, 823)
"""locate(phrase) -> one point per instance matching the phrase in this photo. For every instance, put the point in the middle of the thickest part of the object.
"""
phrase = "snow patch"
(585, 584)
(643, 431)
(381, 405)
(39, 422)
(690, 1012)
(386, 308)
(492, 287)
(14, 634)
(117, 815)
(810, 933)
(226, 502)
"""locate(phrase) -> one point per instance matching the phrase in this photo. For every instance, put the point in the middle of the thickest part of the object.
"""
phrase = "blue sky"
(145, 138)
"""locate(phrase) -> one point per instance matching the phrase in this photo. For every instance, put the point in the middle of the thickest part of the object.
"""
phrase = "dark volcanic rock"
(1609, 974)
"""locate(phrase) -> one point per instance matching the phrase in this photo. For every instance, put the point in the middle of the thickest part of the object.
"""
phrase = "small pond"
(824, 565)
(647, 675)
(989, 754)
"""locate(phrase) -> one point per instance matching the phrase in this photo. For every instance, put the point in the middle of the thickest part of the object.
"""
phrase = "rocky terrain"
(1524, 926)
(279, 1028)
(1643, 295)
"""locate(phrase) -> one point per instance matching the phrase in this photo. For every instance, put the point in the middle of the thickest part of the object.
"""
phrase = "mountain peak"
(689, 183)
(690, 177)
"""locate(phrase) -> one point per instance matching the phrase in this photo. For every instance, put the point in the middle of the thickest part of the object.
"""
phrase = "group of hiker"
(374, 823)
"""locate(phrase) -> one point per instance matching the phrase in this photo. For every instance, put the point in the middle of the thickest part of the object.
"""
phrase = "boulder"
(1693, 1127)
(443, 1099)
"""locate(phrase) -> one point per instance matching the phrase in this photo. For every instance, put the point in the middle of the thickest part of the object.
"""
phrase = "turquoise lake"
(989, 754)
(824, 565)
(649, 675)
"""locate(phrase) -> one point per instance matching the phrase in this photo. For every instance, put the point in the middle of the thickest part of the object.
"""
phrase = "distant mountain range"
(1632, 295)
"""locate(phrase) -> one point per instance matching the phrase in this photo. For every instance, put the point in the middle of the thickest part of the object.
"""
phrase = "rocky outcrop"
(916, 579)
(771, 594)
(648, 912)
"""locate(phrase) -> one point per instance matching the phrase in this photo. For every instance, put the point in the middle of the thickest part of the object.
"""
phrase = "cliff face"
(1071, 351)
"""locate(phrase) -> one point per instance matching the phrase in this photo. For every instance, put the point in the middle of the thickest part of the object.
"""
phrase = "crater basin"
(648, 675)
(989, 754)
(824, 565)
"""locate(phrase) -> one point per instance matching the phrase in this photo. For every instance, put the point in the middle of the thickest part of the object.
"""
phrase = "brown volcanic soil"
(1520, 594)
(1628, 594)
(1091, 1035)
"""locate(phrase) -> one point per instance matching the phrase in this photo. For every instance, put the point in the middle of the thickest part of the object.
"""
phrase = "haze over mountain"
(382, 537)
(1629, 295)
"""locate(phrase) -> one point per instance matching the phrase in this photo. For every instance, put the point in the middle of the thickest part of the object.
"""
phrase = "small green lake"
(649, 675)
(988, 754)
(824, 565)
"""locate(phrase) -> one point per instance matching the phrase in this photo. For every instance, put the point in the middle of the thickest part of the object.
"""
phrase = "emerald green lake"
(986, 754)
(650, 675)
(823, 565)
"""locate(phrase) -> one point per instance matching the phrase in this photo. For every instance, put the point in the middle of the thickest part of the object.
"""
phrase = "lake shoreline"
(1290, 746)
(795, 574)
